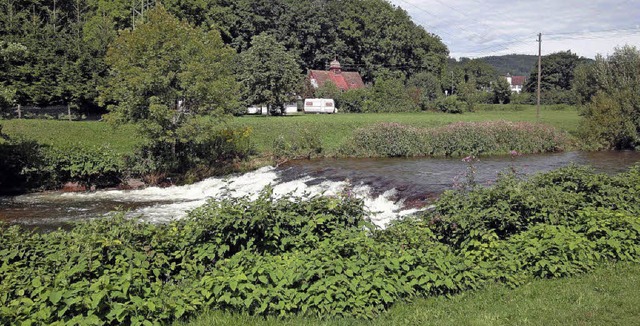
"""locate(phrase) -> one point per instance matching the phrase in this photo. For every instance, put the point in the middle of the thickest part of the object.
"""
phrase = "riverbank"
(318, 256)
(94, 155)
(331, 130)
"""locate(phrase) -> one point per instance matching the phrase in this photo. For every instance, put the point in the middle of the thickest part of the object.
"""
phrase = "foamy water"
(383, 184)
(164, 204)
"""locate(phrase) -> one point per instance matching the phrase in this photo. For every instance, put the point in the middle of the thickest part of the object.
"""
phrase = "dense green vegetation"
(265, 130)
(558, 70)
(606, 296)
(63, 45)
(609, 91)
(318, 256)
(457, 139)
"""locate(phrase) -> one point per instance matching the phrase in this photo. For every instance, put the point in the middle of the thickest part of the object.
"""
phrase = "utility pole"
(539, 74)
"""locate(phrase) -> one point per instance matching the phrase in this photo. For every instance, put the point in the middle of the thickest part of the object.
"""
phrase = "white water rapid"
(175, 202)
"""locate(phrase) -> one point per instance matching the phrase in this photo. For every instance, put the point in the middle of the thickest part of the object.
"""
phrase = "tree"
(329, 90)
(611, 89)
(424, 87)
(388, 95)
(557, 72)
(501, 91)
(166, 73)
(269, 74)
(9, 53)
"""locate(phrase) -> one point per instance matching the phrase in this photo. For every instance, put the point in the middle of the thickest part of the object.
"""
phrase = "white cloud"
(475, 28)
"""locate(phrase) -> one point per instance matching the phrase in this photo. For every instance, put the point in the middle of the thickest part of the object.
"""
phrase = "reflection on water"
(389, 186)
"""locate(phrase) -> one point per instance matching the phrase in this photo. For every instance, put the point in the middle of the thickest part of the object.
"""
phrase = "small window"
(309, 104)
(329, 104)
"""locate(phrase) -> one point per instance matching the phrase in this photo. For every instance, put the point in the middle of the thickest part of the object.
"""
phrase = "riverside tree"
(269, 74)
(610, 91)
(165, 74)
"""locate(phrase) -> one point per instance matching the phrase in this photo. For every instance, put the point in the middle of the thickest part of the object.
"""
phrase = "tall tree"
(501, 91)
(557, 72)
(611, 90)
(165, 73)
(269, 74)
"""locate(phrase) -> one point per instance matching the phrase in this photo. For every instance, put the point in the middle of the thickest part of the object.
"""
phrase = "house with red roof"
(516, 82)
(345, 80)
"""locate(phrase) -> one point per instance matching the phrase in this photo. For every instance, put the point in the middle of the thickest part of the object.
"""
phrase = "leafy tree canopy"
(557, 72)
(72, 37)
(166, 72)
(269, 74)
(610, 89)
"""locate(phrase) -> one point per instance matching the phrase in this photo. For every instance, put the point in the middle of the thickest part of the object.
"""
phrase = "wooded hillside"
(59, 47)
(514, 64)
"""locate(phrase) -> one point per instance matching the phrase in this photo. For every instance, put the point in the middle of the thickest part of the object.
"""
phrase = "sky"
(476, 28)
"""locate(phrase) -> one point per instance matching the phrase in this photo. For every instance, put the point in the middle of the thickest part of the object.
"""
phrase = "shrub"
(513, 205)
(353, 100)
(388, 95)
(315, 255)
(27, 165)
(302, 144)
(449, 104)
(457, 139)
(610, 90)
(387, 140)
(206, 148)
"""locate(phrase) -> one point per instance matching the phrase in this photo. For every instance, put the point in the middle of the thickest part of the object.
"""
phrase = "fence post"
(69, 111)
(19, 112)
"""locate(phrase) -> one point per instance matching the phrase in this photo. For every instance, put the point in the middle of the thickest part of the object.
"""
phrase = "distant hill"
(514, 64)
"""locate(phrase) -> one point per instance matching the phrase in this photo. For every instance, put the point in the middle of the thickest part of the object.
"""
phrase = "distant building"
(516, 82)
(345, 80)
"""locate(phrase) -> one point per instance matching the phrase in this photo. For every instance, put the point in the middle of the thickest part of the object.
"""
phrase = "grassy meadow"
(606, 296)
(332, 130)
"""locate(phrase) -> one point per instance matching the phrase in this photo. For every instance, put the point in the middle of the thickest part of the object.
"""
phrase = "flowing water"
(389, 187)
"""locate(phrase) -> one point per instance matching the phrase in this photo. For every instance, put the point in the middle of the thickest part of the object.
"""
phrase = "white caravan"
(319, 105)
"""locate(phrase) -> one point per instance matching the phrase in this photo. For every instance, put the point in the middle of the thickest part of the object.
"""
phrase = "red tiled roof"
(345, 80)
(518, 80)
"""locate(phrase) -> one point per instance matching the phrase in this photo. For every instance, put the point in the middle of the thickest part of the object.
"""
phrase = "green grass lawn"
(333, 130)
(62, 133)
(607, 296)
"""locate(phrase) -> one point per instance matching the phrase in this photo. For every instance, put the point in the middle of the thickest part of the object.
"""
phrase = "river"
(389, 187)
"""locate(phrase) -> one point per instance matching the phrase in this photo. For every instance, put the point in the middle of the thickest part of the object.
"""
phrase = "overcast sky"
(476, 28)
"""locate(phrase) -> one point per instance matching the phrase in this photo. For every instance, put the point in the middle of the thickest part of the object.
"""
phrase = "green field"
(607, 296)
(61, 133)
(332, 130)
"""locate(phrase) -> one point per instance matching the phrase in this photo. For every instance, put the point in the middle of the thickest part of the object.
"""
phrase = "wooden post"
(69, 111)
(19, 112)
(539, 74)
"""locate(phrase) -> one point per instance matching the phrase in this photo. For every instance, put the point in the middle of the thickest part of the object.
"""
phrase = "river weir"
(390, 188)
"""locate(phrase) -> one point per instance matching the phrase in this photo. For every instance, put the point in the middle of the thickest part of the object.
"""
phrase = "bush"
(302, 144)
(28, 165)
(449, 104)
(514, 205)
(386, 140)
(207, 148)
(353, 100)
(609, 89)
(316, 255)
(388, 95)
(457, 139)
